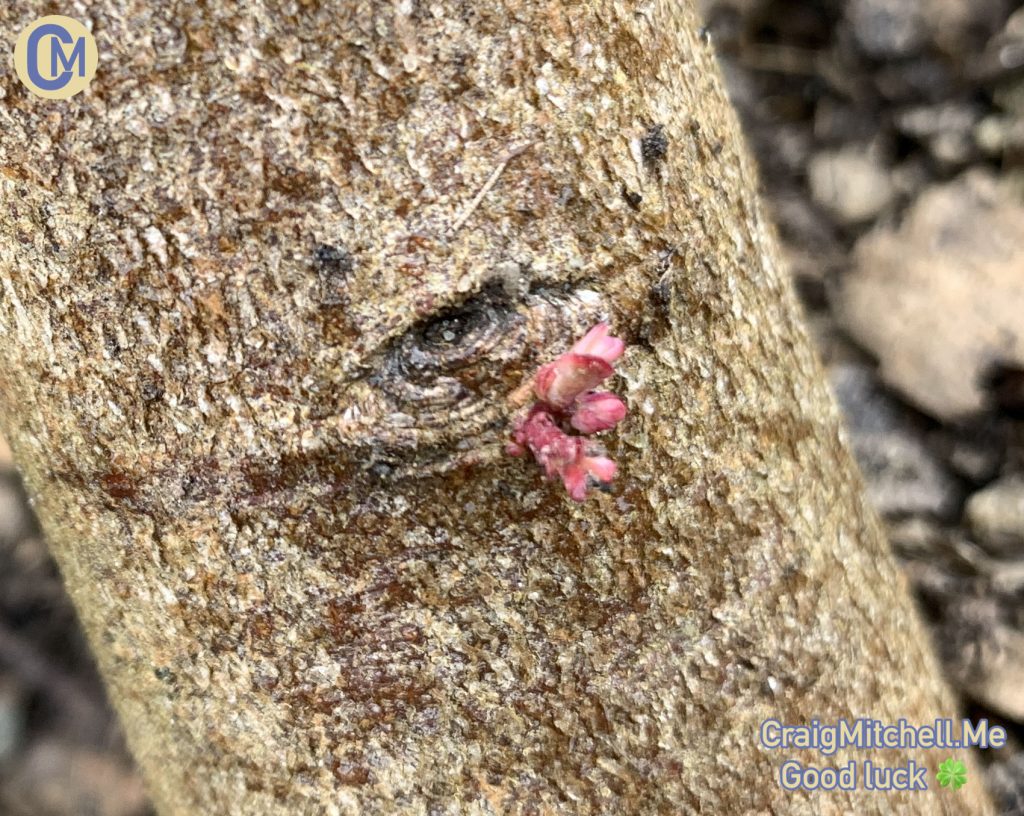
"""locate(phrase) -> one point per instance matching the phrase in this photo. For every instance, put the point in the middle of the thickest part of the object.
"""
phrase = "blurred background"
(890, 135)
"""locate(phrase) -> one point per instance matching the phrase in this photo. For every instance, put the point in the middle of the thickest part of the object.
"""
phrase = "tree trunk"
(267, 288)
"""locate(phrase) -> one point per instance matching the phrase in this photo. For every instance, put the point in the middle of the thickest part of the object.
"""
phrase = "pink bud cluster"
(566, 400)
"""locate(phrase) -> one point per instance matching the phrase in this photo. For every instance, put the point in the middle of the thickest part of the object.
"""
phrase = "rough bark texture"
(257, 349)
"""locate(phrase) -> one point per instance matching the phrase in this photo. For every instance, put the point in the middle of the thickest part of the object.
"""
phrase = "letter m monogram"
(77, 53)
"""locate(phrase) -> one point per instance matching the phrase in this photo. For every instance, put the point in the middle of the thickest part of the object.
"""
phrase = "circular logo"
(55, 57)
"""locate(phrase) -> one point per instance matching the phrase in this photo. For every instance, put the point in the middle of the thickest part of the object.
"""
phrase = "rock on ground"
(851, 183)
(940, 300)
(996, 516)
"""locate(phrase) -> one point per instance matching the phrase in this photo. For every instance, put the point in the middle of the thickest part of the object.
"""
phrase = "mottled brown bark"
(258, 347)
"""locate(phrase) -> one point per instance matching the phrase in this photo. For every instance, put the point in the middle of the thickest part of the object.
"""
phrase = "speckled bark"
(257, 350)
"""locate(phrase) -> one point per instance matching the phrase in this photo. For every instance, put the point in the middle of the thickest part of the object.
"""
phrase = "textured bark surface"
(266, 289)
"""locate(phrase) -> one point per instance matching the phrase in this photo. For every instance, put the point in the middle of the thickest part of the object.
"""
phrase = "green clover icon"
(952, 774)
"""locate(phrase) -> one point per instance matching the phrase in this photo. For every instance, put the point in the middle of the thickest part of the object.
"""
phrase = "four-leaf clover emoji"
(952, 774)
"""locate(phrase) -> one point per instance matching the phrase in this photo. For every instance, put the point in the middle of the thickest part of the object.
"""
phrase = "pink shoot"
(566, 401)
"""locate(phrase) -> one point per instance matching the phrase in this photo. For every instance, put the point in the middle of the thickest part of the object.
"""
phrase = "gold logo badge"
(55, 57)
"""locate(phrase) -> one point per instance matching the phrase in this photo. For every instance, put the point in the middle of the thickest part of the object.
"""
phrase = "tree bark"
(267, 287)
